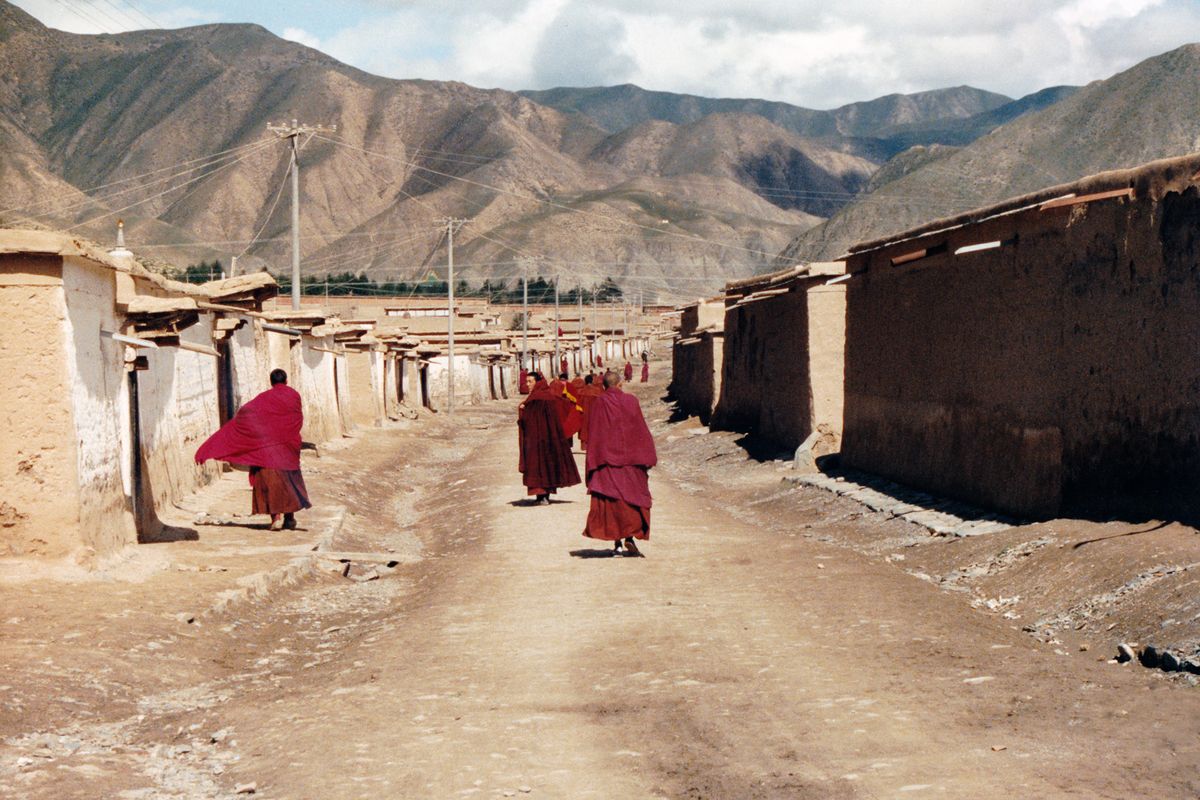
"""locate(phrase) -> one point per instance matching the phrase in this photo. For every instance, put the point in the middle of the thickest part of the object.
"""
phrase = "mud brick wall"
(1059, 373)
(765, 380)
(696, 374)
(38, 453)
(100, 407)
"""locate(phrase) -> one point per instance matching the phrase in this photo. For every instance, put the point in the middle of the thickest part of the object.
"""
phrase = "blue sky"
(809, 52)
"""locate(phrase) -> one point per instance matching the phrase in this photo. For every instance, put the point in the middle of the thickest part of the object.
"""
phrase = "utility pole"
(525, 316)
(579, 322)
(612, 323)
(292, 132)
(452, 225)
(594, 331)
(557, 361)
(526, 263)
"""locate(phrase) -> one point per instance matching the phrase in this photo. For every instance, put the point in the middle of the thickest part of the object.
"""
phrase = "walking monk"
(628, 371)
(546, 463)
(265, 436)
(619, 457)
(645, 367)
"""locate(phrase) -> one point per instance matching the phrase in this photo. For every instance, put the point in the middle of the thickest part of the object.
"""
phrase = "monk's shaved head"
(611, 379)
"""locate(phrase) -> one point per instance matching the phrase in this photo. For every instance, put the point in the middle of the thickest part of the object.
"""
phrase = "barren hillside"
(1147, 112)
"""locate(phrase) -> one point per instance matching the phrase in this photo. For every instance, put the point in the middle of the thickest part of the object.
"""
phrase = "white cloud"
(809, 52)
(301, 36)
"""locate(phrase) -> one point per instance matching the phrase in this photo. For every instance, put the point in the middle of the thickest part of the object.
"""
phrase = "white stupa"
(121, 251)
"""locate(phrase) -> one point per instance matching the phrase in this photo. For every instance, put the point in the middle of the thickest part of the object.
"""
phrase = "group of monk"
(264, 437)
(615, 438)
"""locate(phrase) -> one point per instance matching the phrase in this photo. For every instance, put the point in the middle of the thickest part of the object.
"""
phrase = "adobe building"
(115, 375)
(1040, 356)
(782, 365)
(112, 381)
(697, 356)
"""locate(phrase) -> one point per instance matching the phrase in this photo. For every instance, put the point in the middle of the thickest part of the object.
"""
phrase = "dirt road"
(516, 658)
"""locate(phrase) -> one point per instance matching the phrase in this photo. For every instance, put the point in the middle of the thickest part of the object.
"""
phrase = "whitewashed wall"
(100, 405)
(252, 364)
(312, 375)
(465, 386)
(178, 410)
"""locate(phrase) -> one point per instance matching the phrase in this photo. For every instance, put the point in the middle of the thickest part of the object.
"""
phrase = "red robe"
(545, 453)
(265, 436)
(645, 371)
(587, 396)
(628, 372)
(264, 433)
(619, 457)
(523, 386)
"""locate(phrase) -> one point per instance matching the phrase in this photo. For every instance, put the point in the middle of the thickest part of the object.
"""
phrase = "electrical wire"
(31, 209)
(553, 203)
(86, 17)
(160, 194)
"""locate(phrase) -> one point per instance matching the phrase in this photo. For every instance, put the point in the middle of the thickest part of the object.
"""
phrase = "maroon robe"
(645, 371)
(628, 372)
(265, 436)
(546, 463)
(619, 457)
(523, 385)
(587, 396)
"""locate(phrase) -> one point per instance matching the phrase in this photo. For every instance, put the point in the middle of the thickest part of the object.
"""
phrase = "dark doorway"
(226, 405)
(136, 469)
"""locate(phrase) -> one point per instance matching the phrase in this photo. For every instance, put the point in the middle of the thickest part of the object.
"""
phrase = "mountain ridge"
(673, 207)
(1138, 115)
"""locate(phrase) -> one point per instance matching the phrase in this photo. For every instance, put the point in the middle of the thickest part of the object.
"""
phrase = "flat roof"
(1152, 179)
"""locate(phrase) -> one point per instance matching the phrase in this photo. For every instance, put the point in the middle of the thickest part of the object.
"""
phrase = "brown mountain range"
(1143, 113)
(99, 127)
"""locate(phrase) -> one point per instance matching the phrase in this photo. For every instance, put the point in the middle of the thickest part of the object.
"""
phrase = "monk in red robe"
(619, 457)
(546, 463)
(523, 385)
(264, 435)
(587, 395)
(628, 372)
(645, 367)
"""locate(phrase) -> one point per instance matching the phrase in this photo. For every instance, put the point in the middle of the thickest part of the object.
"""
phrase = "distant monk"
(523, 386)
(599, 360)
(265, 436)
(645, 367)
(562, 366)
(546, 463)
(587, 395)
(628, 372)
(619, 457)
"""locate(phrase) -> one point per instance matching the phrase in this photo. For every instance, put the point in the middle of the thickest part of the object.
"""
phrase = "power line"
(160, 194)
(555, 204)
(153, 22)
(121, 25)
(86, 17)
(30, 209)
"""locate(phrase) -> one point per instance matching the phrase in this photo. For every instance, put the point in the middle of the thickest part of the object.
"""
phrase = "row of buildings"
(1040, 356)
(115, 375)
